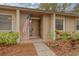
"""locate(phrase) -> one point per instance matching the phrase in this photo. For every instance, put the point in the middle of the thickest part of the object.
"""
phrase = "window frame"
(11, 23)
(76, 24)
(61, 18)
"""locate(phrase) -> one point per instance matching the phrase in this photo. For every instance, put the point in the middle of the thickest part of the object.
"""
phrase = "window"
(59, 24)
(5, 22)
(77, 24)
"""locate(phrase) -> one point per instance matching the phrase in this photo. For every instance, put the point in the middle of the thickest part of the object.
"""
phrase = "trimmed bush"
(64, 36)
(8, 37)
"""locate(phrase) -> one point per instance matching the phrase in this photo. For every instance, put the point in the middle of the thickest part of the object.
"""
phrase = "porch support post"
(18, 23)
(64, 22)
(45, 26)
(53, 26)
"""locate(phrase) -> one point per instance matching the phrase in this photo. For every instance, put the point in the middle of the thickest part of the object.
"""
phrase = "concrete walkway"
(42, 49)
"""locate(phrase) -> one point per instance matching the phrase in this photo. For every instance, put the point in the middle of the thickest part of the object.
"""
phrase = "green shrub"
(8, 37)
(75, 36)
(64, 36)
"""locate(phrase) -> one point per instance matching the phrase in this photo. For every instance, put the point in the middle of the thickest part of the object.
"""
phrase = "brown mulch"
(64, 48)
(27, 49)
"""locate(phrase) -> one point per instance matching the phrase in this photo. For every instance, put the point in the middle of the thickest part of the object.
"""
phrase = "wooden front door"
(35, 28)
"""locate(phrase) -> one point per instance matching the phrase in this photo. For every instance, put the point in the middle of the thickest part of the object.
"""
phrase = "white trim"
(18, 20)
(64, 24)
(54, 25)
(53, 28)
(13, 20)
(18, 23)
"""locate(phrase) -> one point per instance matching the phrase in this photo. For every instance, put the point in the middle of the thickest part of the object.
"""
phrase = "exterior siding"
(46, 23)
(13, 14)
(45, 26)
(70, 24)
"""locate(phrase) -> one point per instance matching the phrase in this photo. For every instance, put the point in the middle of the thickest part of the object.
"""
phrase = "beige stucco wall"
(13, 14)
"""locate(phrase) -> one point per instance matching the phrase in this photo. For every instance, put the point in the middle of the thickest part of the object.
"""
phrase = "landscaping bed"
(65, 44)
(64, 48)
(27, 49)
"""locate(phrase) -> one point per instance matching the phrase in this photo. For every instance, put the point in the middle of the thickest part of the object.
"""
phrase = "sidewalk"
(42, 49)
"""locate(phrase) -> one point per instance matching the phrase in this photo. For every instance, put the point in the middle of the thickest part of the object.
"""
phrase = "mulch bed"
(27, 49)
(64, 48)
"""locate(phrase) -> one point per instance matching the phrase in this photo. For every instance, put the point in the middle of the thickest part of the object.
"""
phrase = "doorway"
(34, 29)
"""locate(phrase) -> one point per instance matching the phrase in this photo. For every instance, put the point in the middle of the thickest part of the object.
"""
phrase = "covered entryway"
(38, 28)
(34, 29)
